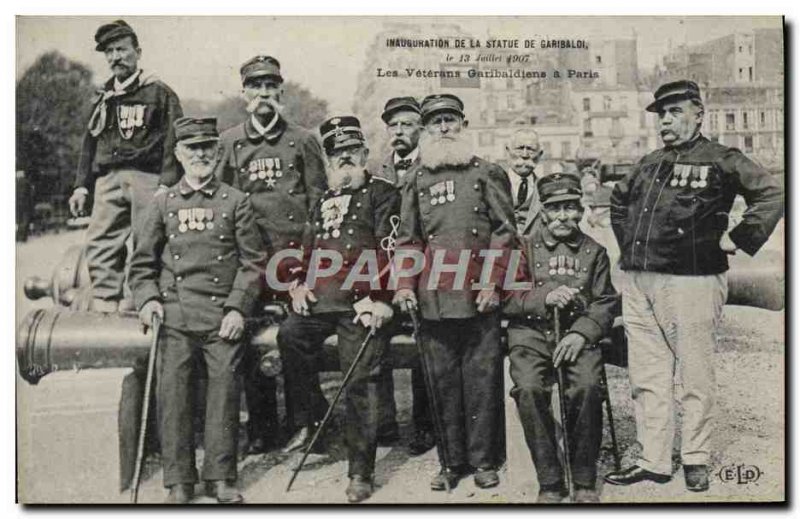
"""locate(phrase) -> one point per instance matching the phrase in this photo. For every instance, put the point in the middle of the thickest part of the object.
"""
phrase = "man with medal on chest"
(199, 268)
(457, 214)
(341, 289)
(279, 166)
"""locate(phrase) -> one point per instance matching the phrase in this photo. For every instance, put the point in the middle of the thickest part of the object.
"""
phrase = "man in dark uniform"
(569, 271)
(351, 222)
(457, 213)
(403, 118)
(198, 266)
(670, 218)
(127, 153)
(280, 168)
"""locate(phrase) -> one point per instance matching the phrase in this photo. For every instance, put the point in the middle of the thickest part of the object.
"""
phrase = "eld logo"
(740, 474)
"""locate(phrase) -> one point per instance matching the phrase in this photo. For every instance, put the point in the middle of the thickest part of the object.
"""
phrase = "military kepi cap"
(559, 187)
(110, 32)
(259, 66)
(441, 103)
(192, 130)
(340, 132)
(674, 91)
(399, 104)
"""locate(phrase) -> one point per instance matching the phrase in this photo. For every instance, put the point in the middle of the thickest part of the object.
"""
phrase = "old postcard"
(400, 260)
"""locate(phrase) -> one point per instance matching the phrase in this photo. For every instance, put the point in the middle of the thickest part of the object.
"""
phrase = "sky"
(199, 57)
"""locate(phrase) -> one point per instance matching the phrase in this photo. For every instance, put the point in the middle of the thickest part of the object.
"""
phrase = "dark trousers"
(262, 401)
(420, 408)
(179, 353)
(466, 361)
(531, 357)
(299, 339)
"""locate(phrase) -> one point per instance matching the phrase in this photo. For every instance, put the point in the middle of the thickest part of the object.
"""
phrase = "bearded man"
(523, 154)
(457, 213)
(198, 268)
(348, 226)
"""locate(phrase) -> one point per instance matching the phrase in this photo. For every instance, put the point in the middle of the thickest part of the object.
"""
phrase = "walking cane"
(331, 407)
(151, 365)
(562, 403)
(617, 464)
(441, 439)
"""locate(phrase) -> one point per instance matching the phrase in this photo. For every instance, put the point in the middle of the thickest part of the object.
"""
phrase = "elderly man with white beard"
(457, 213)
(345, 236)
(198, 267)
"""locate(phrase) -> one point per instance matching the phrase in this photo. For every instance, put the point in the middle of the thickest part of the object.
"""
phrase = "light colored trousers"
(121, 199)
(671, 323)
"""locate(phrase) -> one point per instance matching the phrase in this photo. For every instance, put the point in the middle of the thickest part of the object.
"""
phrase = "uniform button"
(528, 317)
(350, 231)
(585, 269)
(345, 263)
(241, 169)
(548, 332)
(291, 165)
(172, 195)
(171, 214)
(473, 255)
(213, 298)
(176, 257)
(221, 236)
(646, 209)
(419, 173)
(179, 278)
(225, 195)
(475, 209)
(291, 144)
(580, 288)
(638, 242)
(475, 232)
(422, 193)
(430, 237)
(216, 280)
(694, 199)
(588, 251)
(219, 258)
(355, 217)
(246, 193)
(171, 236)
(540, 283)
(358, 204)
(475, 187)
(291, 191)
(364, 190)
(348, 246)
(538, 265)
(292, 244)
(535, 245)
(291, 217)
(164, 294)
(238, 145)
(319, 236)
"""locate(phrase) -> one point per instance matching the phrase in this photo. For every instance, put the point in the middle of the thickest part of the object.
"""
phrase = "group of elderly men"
(207, 212)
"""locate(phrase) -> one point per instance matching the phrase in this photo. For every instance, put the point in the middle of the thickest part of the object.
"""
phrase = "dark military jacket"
(450, 211)
(389, 172)
(283, 173)
(548, 263)
(200, 254)
(138, 134)
(358, 224)
(670, 212)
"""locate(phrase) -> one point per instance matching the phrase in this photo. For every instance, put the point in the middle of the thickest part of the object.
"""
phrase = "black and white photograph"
(400, 260)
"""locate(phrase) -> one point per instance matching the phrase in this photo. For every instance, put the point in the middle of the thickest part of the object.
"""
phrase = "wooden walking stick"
(151, 366)
(331, 407)
(562, 403)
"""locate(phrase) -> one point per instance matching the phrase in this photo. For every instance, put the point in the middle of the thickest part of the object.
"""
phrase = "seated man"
(198, 267)
(569, 271)
(347, 227)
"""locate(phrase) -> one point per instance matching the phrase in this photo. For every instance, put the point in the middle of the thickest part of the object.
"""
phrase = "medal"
(277, 168)
(442, 199)
(192, 225)
(336, 233)
(210, 225)
(703, 182)
(325, 236)
(200, 226)
(570, 266)
(183, 216)
(253, 177)
(451, 190)
(577, 266)
(694, 184)
(262, 175)
(561, 262)
(434, 201)
(553, 264)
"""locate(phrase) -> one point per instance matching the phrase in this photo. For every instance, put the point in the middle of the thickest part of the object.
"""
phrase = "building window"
(566, 150)
(763, 119)
(587, 104)
(748, 144)
(587, 128)
(741, 73)
(740, 49)
(607, 103)
(750, 73)
(750, 49)
(598, 59)
(744, 120)
(730, 121)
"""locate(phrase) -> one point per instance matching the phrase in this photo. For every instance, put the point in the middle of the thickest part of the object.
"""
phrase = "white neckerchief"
(201, 186)
(263, 130)
(119, 87)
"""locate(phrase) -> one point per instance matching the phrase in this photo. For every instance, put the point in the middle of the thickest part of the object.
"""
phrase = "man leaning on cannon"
(198, 267)
(570, 278)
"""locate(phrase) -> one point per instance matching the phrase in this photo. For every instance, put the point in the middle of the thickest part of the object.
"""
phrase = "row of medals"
(333, 212)
(195, 219)
(683, 172)
(443, 192)
(562, 264)
(261, 174)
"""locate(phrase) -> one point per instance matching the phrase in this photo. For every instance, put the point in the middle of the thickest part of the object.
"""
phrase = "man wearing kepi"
(341, 289)
(198, 266)
(403, 118)
(457, 214)
(670, 217)
(127, 153)
(569, 272)
(279, 165)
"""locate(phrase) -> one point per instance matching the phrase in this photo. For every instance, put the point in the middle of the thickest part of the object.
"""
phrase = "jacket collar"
(688, 145)
(272, 134)
(208, 189)
(550, 241)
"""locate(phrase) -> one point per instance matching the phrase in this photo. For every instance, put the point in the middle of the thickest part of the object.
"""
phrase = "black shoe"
(423, 441)
(225, 491)
(696, 477)
(451, 476)
(550, 497)
(486, 478)
(359, 489)
(180, 494)
(635, 474)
